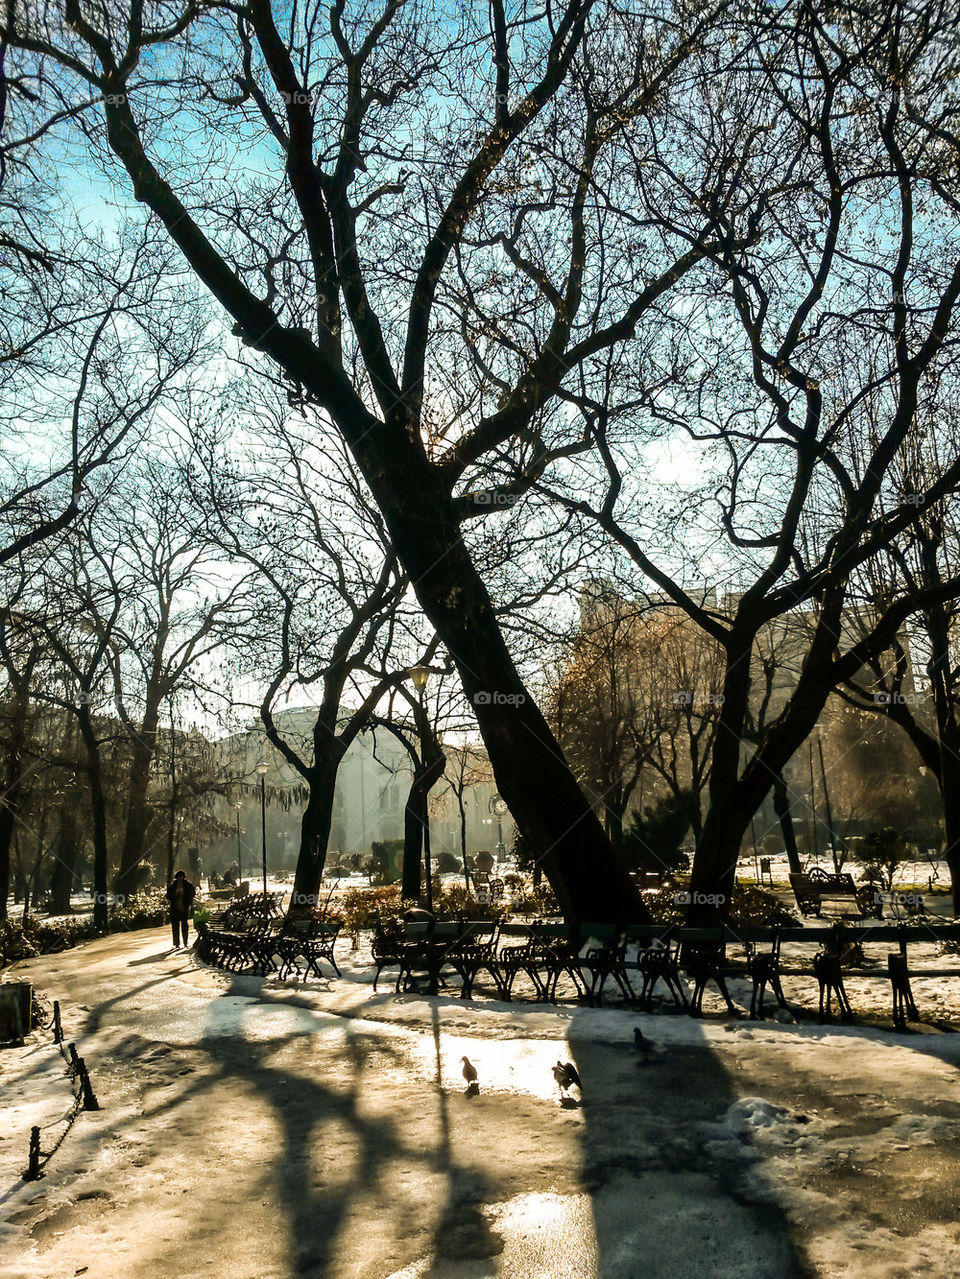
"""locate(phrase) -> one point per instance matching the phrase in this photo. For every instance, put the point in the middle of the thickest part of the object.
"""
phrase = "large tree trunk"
(728, 816)
(948, 734)
(6, 842)
(98, 807)
(463, 837)
(532, 777)
(614, 809)
(414, 817)
(65, 861)
(950, 793)
(781, 804)
(130, 873)
(315, 827)
(10, 806)
(416, 823)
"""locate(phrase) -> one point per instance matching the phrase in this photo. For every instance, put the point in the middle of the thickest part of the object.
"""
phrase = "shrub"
(48, 937)
(881, 853)
(40, 937)
(366, 907)
(455, 902)
(652, 842)
(141, 910)
(14, 943)
(751, 906)
(540, 902)
(384, 855)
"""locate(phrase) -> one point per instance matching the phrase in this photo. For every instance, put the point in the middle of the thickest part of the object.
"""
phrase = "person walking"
(180, 895)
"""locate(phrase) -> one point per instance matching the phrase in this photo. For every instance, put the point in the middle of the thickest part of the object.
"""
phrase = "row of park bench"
(592, 954)
(252, 935)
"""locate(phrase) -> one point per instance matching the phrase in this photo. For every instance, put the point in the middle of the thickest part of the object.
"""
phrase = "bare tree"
(86, 355)
(328, 610)
(164, 606)
(797, 366)
(915, 681)
(434, 301)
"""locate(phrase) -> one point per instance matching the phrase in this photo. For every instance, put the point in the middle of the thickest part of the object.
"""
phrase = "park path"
(264, 1131)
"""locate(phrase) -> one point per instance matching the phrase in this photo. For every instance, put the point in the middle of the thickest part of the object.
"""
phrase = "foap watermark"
(493, 499)
(108, 899)
(686, 898)
(304, 901)
(898, 699)
(696, 697)
(496, 698)
(913, 902)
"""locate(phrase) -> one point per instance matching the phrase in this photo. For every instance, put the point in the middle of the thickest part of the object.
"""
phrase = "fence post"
(89, 1098)
(33, 1164)
(57, 1024)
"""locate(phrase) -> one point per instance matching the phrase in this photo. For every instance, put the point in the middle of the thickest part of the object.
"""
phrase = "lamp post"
(262, 770)
(499, 808)
(238, 806)
(420, 675)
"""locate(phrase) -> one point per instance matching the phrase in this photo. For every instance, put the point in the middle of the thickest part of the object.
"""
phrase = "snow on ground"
(267, 1130)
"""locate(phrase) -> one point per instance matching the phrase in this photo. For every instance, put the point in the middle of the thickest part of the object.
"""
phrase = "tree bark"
(10, 806)
(416, 823)
(414, 816)
(315, 825)
(130, 873)
(781, 804)
(65, 862)
(715, 860)
(98, 807)
(532, 777)
(6, 841)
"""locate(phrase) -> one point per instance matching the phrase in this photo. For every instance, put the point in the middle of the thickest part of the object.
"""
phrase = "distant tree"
(327, 618)
(652, 841)
(383, 853)
(882, 852)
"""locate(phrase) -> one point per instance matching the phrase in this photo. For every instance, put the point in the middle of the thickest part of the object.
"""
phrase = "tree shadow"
(675, 1186)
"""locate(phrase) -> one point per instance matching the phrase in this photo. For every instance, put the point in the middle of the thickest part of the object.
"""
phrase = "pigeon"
(644, 1046)
(565, 1073)
(470, 1075)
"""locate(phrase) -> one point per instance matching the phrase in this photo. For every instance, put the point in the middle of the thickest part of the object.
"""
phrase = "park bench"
(555, 950)
(306, 938)
(423, 945)
(841, 957)
(602, 956)
(261, 942)
(474, 952)
(520, 951)
(385, 948)
(816, 886)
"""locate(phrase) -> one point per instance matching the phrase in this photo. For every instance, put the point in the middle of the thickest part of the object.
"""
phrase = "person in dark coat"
(180, 895)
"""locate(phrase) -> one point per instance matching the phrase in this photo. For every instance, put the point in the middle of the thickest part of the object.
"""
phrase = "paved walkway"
(261, 1131)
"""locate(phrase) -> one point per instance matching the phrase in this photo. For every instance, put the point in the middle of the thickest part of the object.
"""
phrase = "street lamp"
(263, 769)
(238, 806)
(420, 675)
(499, 808)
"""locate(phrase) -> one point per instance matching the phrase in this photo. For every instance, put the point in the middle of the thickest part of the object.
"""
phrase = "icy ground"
(261, 1130)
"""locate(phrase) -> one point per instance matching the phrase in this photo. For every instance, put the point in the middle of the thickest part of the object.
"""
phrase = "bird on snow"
(644, 1046)
(565, 1073)
(470, 1075)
